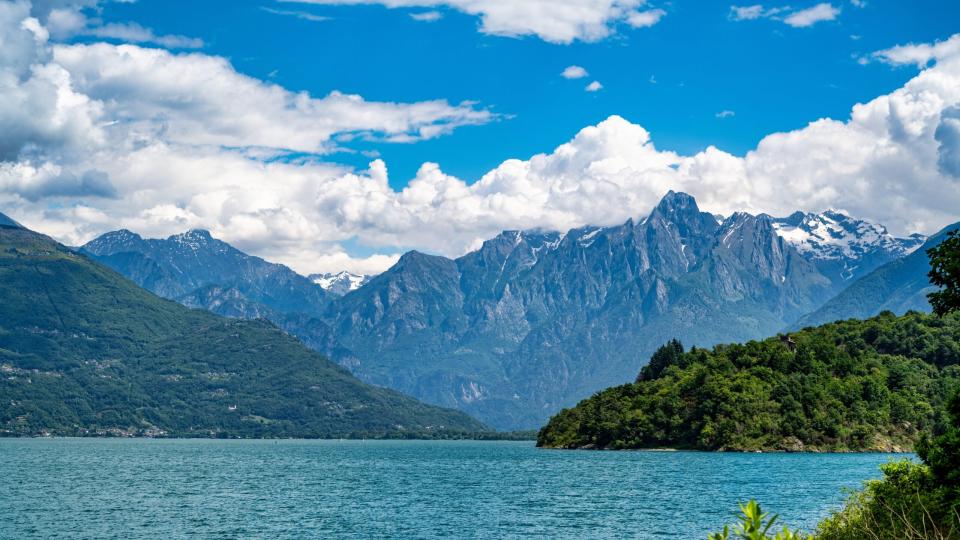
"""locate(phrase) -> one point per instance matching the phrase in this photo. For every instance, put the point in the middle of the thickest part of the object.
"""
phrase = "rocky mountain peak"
(680, 210)
(677, 201)
(851, 246)
(114, 242)
(193, 236)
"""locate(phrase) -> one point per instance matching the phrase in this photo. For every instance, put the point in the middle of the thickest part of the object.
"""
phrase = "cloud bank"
(97, 137)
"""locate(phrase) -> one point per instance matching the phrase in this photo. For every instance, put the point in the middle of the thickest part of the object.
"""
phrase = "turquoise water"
(113, 488)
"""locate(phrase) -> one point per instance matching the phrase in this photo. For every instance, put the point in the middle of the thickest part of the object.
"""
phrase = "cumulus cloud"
(948, 138)
(725, 114)
(574, 72)
(643, 19)
(201, 100)
(39, 109)
(920, 54)
(556, 21)
(812, 15)
(36, 183)
(161, 142)
(122, 136)
(595, 86)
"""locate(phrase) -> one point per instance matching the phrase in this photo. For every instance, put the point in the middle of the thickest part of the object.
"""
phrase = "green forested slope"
(84, 351)
(876, 384)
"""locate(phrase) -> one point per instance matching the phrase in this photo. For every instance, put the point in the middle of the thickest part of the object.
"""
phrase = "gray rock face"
(534, 321)
(202, 272)
(206, 272)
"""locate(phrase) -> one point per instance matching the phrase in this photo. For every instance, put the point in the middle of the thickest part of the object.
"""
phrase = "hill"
(84, 351)
(876, 384)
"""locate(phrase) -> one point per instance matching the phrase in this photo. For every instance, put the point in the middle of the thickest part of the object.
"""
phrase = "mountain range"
(85, 351)
(533, 321)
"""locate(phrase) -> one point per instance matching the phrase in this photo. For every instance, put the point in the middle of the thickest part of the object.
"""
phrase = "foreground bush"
(755, 525)
(904, 505)
(912, 500)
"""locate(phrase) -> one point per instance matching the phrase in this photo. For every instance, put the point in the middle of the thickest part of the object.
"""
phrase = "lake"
(141, 488)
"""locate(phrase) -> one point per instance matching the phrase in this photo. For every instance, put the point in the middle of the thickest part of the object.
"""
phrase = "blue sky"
(772, 76)
(337, 134)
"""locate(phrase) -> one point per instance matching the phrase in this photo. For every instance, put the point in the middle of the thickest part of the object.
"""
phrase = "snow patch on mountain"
(339, 283)
(834, 236)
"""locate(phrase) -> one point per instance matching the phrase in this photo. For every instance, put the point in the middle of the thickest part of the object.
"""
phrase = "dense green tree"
(942, 454)
(945, 273)
(878, 384)
(669, 354)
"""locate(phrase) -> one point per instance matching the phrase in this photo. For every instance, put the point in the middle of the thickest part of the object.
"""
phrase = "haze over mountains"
(533, 321)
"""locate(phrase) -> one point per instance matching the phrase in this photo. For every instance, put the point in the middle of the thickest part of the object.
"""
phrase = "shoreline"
(200, 438)
(396, 439)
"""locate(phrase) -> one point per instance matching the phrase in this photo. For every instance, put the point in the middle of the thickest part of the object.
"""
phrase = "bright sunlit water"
(112, 488)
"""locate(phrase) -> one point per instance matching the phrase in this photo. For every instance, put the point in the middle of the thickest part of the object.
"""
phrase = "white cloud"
(812, 15)
(40, 112)
(574, 72)
(725, 114)
(119, 136)
(199, 99)
(134, 33)
(339, 259)
(920, 54)
(427, 16)
(68, 21)
(160, 142)
(797, 18)
(556, 21)
(746, 13)
(595, 86)
(305, 15)
(643, 19)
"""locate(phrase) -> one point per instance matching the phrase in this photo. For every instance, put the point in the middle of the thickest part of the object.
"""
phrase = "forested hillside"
(877, 384)
(84, 351)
